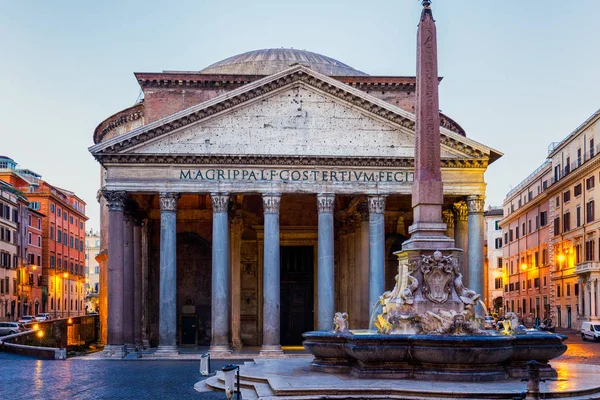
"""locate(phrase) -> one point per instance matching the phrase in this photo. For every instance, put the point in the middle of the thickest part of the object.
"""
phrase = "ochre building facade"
(246, 203)
(551, 234)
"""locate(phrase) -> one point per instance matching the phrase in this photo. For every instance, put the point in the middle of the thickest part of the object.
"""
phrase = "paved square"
(101, 379)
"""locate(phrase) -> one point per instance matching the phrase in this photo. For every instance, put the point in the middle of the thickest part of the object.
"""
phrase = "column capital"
(220, 202)
(448, 217)
(476, 203)
(271, 203)
(115, 199)
(325, 202)
(168, 201)
(461, 210)
(377, 204)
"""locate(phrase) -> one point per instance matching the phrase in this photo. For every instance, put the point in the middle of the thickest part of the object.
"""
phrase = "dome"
(271, 61)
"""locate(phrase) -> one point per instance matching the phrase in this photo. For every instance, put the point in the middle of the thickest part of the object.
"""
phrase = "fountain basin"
(471, 358)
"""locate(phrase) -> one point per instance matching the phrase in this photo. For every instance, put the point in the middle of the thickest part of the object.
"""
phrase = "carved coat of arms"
(438, 274)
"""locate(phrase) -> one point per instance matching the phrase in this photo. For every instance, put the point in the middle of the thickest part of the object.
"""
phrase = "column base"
(271, 351)
(166, 351)
(220, 350)
(114, 351)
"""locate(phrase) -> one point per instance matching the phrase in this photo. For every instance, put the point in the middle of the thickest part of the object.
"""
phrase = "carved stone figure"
(438, 272)
(340, 322)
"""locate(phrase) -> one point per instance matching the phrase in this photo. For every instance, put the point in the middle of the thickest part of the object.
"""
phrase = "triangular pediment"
(295, 113)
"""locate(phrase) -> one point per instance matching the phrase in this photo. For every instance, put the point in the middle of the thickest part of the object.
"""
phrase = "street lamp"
(66, 275)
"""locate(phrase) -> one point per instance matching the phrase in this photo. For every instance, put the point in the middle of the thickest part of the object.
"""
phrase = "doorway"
(297, 277)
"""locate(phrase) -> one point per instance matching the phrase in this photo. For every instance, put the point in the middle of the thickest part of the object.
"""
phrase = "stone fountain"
(427, 326)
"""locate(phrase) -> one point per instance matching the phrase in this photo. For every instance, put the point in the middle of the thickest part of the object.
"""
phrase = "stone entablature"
(149, 179)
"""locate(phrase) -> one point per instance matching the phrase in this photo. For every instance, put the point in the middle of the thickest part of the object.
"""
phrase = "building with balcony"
(9, 251)
(493, 278)
(551, 233)
(62, 241)
(30, 274)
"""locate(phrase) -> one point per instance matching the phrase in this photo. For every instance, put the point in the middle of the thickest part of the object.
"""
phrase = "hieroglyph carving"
(220, 202)
(377, 204)
(461, 210)
(168, 201)
(271, 202)
(115, 199)
(476, 204)
(325, 202)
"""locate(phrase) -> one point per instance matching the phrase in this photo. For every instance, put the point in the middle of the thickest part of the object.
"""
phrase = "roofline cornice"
(583, 126)
(184, 78)
(535, 202)
(280, 160)
(575, 175)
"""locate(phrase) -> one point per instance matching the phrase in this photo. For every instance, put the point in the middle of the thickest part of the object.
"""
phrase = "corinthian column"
(237, 228)
(271, 277)
(325, 284)
(137, 283)
(114, 330)
(167, 324)
(128, 279)
(376, 248)
(475, 253)
(461, 238)
(220, 275)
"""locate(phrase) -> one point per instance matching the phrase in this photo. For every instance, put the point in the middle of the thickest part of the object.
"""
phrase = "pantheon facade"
(244, 204)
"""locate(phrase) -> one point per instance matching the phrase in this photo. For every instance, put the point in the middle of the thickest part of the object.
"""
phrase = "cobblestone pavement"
(27, 378)
(579, 351)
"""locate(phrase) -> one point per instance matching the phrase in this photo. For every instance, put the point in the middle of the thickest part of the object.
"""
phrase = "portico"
(287, 195)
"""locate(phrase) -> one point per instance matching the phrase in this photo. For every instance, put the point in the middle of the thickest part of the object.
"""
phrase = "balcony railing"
(588, 266)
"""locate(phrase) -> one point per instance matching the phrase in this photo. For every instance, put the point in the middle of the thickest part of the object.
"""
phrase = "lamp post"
(66, 275)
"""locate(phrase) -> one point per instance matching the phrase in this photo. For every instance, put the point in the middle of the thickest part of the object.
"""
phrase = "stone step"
(248, 390)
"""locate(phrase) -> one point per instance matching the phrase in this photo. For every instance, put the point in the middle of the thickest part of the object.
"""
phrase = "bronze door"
(297, 277)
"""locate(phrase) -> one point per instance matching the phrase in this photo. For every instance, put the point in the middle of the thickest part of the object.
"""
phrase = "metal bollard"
(533, 380)
(205, 364)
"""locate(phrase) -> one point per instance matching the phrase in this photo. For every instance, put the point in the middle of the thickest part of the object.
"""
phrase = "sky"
(518, 75)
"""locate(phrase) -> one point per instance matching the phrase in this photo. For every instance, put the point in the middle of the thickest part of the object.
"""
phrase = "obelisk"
(428, 229)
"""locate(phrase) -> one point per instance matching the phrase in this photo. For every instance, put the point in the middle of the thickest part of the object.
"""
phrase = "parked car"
(489, 322)
(25, 319)
(43, 317)
(590, 331)
(9, 328)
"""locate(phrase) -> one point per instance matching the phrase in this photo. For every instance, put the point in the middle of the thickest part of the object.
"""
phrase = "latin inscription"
(296, 175)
